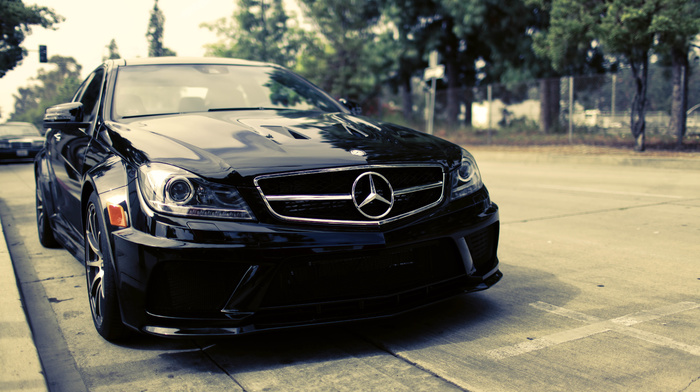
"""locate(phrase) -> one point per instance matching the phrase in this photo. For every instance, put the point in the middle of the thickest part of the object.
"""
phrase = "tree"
(347, 42)
(113, 51)
(626, 29)
(500, 35)
(566, 38)
(496, 35)
(16, 20)
(260, 30)
(677, 24)
(51, 88)
(423, 26)
(155, 34)
(583, 29)
(407, 47)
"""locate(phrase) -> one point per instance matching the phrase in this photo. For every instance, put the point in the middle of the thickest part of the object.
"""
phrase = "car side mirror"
(64, 115)
(65, 112)
(352, 106)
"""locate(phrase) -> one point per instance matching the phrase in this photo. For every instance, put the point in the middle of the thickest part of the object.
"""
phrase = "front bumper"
(19, 153)
(212, 278)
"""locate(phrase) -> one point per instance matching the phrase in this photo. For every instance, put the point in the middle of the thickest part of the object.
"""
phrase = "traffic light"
(42, 54)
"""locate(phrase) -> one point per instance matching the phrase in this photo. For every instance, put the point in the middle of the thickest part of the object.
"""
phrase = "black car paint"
(233, 147)
(227, 140)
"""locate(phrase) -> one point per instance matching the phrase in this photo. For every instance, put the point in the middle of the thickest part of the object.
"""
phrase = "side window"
(91, 96)
(80, 90)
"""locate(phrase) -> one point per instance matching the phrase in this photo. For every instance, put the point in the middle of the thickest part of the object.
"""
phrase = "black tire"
(43, 226)
(99, 271)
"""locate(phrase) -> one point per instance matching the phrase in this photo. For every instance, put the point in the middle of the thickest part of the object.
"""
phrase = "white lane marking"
(591, 190)
(621, 324)
(565, 312)
(648, 315)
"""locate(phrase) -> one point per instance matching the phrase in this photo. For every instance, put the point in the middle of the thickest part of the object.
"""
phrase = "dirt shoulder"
(586, 150)
(586, 155)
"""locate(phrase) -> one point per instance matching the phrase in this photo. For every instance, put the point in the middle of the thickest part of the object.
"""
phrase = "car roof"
(188, 60)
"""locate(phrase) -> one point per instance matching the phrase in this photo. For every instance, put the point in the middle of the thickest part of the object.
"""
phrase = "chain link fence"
(589, 104)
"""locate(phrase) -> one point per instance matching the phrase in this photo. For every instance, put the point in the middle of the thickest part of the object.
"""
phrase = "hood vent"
(285, 132)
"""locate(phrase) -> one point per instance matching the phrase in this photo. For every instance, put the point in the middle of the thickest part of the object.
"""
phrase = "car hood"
(215, 144)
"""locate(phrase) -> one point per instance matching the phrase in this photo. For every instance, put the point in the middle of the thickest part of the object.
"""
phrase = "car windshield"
(147, 90)
(18, 130)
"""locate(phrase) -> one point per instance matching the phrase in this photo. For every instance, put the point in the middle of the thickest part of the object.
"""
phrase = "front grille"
(21, 145)
(192, 288)
(326, 196)
(366, 274)
(482, 247)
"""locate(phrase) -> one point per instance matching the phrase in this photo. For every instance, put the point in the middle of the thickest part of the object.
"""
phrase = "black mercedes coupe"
(213, 197)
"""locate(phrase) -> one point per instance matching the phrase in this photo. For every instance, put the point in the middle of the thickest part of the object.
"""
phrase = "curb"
(19, 358)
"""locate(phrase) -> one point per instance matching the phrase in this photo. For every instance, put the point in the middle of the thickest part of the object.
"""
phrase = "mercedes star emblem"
(373, 195)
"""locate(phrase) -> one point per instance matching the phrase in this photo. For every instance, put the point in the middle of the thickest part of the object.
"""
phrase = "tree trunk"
(550, 95)
(679, 103)
(637, 118)
(406, 100)
(453, 99)
(468, 99)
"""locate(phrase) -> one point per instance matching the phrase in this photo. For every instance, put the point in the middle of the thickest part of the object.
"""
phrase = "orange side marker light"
(117, 215)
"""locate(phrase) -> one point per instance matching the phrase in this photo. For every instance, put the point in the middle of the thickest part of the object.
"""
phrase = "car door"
(67, 148)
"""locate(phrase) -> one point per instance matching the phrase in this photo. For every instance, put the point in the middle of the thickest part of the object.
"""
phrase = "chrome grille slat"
(313, 196)
(417, 188)
(308, 197)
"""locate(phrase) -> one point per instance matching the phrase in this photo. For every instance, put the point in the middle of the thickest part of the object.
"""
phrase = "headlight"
(4, 145)
(467, 178)
(172, 190)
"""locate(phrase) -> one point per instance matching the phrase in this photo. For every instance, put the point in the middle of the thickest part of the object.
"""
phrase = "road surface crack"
(693, 381)
(406, 360)
(593, 212)
(203, 350)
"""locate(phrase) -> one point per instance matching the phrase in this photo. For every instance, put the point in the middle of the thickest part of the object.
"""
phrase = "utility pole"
(433, 72)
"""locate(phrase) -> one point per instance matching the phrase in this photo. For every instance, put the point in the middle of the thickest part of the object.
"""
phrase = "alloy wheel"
(94, 265)
(43, 226)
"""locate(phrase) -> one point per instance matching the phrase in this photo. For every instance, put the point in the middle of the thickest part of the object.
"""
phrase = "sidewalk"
(19, 360)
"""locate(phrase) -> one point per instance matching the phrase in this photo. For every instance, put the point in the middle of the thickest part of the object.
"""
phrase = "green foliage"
(676, 24)
(501, 34)
(50, 88)
(630, 29)
(625, 27)
(261, 31)
(16, 20)
(348, 47)
(358, 49)
(418, 31)
(155, 34)
(112, 50)
(479, 41)
(569, 41)
(581, 31)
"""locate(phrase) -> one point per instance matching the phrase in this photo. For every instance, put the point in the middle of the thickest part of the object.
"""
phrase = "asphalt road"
(601, 292)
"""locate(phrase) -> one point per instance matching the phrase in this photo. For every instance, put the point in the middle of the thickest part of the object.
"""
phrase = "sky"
(89, 26)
